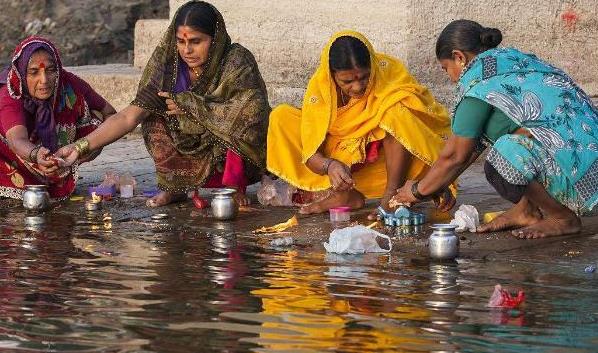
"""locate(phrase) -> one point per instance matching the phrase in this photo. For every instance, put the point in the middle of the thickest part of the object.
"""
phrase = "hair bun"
(490, 37)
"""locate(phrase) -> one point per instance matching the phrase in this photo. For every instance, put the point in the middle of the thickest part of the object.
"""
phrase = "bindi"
(42, 66)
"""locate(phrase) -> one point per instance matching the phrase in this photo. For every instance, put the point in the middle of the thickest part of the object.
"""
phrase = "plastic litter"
(151, 192)
(490, 216)
(286, 241)
(356, 240)
(501, 298)
(109, 185)
(127, 185)
(590, 269)
(275, 192)
(466, 218)
(198, 201)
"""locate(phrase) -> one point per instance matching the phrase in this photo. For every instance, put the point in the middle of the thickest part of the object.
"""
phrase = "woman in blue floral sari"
(542, 129)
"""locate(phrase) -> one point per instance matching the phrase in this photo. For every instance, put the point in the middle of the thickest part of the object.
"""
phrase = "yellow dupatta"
(394, 103)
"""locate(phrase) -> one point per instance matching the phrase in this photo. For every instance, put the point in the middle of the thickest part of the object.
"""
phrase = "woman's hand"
(404, 196)
(171, 107)
(45, 163)
(340, 176)
(68, 153)
(445, 201)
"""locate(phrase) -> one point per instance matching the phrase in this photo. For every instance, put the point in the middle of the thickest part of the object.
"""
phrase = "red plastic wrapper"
(501, 298)
(198, 201)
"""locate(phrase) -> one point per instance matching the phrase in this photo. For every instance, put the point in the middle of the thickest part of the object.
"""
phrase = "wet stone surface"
(123, 279)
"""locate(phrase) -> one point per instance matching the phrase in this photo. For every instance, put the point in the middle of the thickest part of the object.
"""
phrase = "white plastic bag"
(275, 192)
(355, 240)
(466, 218)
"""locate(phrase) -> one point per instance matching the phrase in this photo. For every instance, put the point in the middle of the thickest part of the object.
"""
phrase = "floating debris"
(291, 222)
(286, 241)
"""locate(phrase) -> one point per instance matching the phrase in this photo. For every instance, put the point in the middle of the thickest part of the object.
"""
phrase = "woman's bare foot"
(164, 198)
(351, 198)
(521, 215)
(242, 199)
(550, 227)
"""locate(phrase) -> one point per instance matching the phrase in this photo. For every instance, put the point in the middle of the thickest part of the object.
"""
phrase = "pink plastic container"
(340, 214)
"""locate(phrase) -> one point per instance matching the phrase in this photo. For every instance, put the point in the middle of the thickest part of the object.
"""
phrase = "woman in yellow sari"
(365, 127)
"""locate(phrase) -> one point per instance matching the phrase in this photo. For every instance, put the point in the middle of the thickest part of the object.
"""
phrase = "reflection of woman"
(203, 108)
(42, 107)
(366, 125)
(542, 128)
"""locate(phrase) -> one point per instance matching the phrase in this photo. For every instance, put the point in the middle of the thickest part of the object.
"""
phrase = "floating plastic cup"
(126, 191)
(340, 214)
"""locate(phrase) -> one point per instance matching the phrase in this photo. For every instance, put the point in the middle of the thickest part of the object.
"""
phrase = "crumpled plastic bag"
(501, 298)
(275, 192)
(356, 240)
(466, 218)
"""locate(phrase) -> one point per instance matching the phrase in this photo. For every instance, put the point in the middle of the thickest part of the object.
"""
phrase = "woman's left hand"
(171, 107)
(404, 196)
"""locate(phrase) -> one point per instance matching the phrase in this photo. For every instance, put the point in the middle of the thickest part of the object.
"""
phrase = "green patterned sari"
(225, 109)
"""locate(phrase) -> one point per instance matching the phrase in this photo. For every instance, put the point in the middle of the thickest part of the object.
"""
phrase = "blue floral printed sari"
(563, 153)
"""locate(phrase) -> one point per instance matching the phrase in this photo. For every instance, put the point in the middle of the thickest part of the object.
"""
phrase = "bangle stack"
(326, 165)
(82, 147)
(33, 154)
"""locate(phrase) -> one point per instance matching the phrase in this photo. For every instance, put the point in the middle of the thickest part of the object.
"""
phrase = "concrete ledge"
(117, 83)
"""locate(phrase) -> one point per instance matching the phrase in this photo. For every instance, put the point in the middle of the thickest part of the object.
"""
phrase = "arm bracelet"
(82, 146)
(326, 165)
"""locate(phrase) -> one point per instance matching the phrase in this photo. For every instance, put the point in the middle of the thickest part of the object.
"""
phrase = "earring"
(463, 64)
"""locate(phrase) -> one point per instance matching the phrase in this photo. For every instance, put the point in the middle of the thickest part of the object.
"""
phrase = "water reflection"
(90, 283)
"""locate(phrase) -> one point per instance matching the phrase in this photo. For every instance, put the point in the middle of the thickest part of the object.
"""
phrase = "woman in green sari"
(203, 107)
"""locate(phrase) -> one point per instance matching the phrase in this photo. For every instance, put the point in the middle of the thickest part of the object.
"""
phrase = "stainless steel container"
(443, 242)
(36, 197)
(224, 206)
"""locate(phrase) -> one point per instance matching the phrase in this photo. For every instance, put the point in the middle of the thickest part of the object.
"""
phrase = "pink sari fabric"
(233, 174)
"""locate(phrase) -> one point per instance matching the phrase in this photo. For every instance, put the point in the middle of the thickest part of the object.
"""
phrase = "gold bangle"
(82, 146)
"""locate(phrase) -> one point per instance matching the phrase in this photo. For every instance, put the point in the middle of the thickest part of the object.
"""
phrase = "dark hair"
(347, 53)
(200, 16)
(466, 36)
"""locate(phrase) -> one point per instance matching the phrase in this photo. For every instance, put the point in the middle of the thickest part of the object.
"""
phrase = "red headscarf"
(15, 79)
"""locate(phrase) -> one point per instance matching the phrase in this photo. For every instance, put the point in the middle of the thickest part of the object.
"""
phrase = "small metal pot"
(443, 242)
(224, 206)
(36, 197)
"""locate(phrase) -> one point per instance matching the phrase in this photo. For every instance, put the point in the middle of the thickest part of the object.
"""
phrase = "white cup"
(126, 191)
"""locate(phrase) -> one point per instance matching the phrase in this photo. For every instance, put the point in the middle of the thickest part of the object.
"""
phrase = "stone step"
(287, 35)
(148, 34)
(117, 83)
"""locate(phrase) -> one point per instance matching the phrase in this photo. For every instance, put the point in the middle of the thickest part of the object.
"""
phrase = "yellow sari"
(394, 103)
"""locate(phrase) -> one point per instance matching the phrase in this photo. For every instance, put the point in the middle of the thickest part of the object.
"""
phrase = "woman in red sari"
(42, 108)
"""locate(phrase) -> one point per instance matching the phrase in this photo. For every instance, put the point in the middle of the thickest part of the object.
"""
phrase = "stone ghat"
(286, 38)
